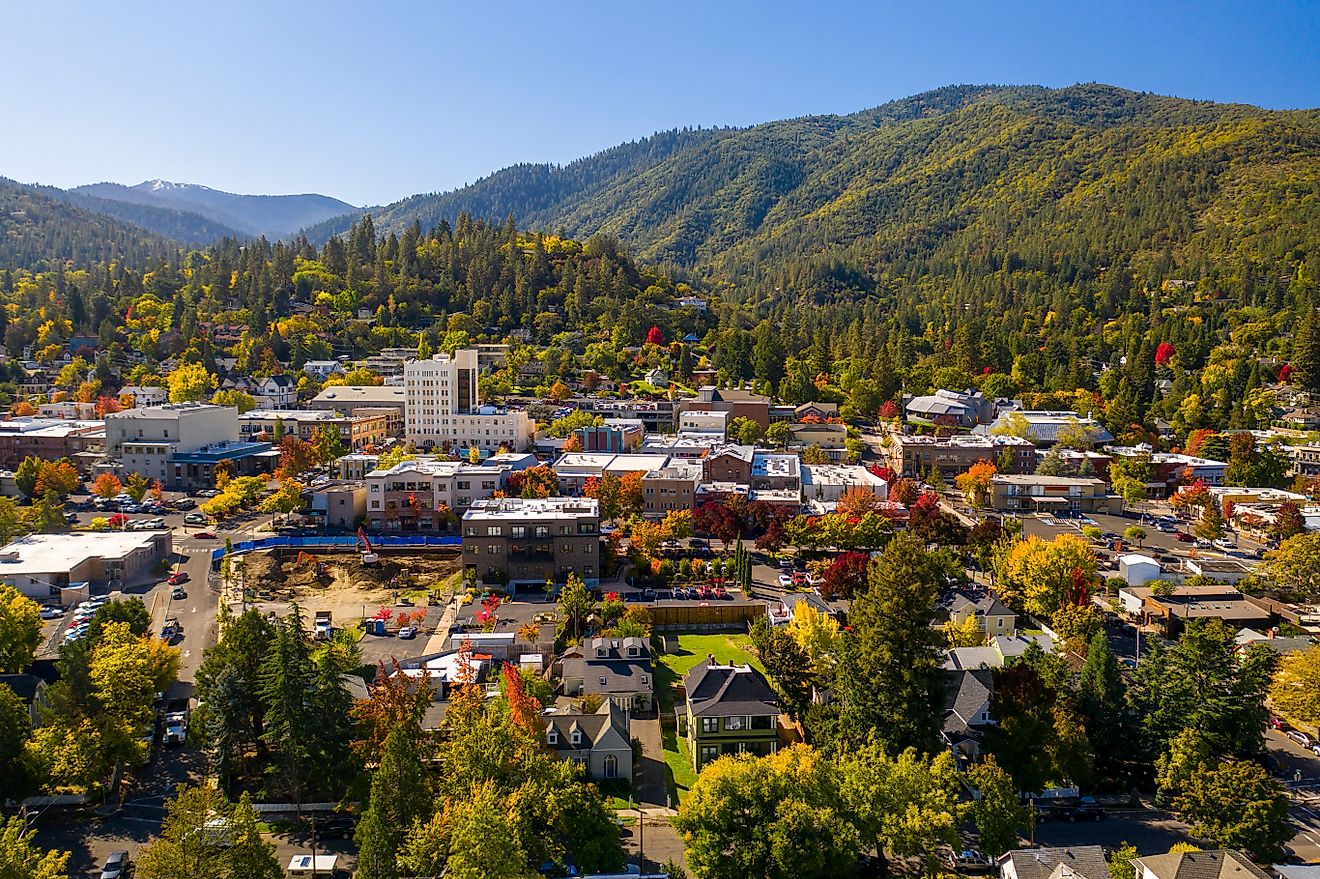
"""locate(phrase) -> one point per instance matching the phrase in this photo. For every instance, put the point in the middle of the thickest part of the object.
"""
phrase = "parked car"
(1279, 723)
(407, 633)
(195, 519)
(969, 861)
(117, 866)
(1300, 738)
(71, 518)
(333, 828)
(52, 613)
(184, 503)
(1184, 537)
(178, 577)
(205, 535)
(786, 564)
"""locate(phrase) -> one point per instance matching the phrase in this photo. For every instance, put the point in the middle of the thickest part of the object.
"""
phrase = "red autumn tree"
(888, 410)
(1285, 373)
(524, 710)
(847, 576)
(1164, 353)
(654, 336)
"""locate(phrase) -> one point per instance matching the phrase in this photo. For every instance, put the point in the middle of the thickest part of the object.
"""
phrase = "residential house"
(967, 695)
(1073, 862)
(997, 653)
(276, 392)
(656, 377)
(32, 690)
(618, 669)
(1216, 864)
(599, 742)
(144, 395)
(728, 709)
(993, 617)
(323, 369)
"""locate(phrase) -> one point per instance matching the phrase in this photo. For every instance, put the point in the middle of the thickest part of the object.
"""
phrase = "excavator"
(309, 559)
(370, 557)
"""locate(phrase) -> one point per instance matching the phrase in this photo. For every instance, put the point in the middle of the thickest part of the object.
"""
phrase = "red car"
(1279, 723)
(205, 535)
(177, 578)
(1184, 537)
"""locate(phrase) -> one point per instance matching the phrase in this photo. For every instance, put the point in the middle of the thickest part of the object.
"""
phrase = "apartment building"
(915, 456)
(365, 399)
(532, 541)
(443, 408)
(729, 463)
(672, 487)
(424, 494)
(355, 430)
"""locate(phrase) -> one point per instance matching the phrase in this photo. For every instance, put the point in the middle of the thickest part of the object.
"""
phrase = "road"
(142, 795)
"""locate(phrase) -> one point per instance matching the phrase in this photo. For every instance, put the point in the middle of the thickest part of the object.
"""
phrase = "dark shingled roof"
(965, 692)
(729, 690)
(1202, 865)
(1078, 862)
(25, 686)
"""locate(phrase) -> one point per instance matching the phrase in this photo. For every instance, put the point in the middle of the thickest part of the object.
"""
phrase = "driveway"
(652, 787)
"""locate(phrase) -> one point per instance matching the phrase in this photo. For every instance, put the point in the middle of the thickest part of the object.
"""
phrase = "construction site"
(348, 583)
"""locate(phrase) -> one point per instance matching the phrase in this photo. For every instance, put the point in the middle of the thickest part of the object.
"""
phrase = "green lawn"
(670, 669)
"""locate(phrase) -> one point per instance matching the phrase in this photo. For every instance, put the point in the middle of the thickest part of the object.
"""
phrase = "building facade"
(443, 408)
(532, 541)
(424, 494)
(1028, 493)
(355, 430)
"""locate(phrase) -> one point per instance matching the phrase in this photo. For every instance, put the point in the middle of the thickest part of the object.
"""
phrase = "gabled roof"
(26, 686)
(608, 726)
(282, 380)
(1224, 864)
(729, 690)
(987, 605)
(1072, 862)
(742, 453)
(965, 693)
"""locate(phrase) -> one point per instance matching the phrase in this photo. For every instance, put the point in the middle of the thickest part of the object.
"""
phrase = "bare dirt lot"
(340, 583)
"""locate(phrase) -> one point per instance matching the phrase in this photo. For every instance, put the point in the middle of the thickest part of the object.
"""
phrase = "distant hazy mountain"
(274, 216)
(36, 230)
(181, 225)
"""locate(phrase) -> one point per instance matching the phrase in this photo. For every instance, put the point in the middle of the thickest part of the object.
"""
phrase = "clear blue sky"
(372, 101)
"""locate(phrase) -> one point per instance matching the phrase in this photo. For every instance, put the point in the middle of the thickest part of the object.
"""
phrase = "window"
(494, 549)
(734, 723)
(518, 532)
(710, 724)
(542, 530)
(494, 531)
(709, 753)
(602, 680)
(552, 736)
(611, 766)
(644, 680)
(576, 738)
(470, 531)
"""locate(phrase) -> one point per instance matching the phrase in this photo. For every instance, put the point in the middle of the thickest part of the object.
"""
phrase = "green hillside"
(36, 230)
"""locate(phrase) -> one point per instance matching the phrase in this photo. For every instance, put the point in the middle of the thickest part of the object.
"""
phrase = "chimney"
(710, 659)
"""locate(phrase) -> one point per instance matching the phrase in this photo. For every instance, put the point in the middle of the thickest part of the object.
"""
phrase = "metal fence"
(381, 542)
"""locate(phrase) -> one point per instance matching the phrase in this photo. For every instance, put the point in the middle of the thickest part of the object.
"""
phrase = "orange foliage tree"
(107, 485)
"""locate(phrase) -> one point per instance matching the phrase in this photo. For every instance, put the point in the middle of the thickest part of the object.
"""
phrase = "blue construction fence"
(382, 542)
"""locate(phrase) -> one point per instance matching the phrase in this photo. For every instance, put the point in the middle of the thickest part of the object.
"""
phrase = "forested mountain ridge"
(912, 171)
(37, 231)
(274, 216)
(536, 192)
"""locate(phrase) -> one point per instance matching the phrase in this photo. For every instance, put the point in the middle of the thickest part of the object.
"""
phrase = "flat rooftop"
(219, 451)
(776, 465)
(504, 509)
(42, 554)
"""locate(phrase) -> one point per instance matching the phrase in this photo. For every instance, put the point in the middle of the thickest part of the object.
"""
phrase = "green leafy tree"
(1293, 570)
(575, 604)
(787, 665)
(1120, 862)
(399, 799)
(904, 807)
(775, 817)
(329, 444)
(1201, 682)
(241, 401)
(1211, 524)
(26, 475)
(20, 858)
(1236, 804)
(1306, 353)
(998, 813)
(250, 856)
(15, 732)
(20, 630)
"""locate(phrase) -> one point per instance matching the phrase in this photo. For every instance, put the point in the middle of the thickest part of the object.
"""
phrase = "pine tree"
(1306, 354)
(399, 798)
(1100, 699)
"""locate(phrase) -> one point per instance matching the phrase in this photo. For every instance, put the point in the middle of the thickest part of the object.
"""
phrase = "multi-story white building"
(419, 494)
(443, 408)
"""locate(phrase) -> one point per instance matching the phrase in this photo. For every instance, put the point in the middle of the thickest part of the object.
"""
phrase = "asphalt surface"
(134, 816)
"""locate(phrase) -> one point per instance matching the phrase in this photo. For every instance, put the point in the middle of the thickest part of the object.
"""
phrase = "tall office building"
(443, 408)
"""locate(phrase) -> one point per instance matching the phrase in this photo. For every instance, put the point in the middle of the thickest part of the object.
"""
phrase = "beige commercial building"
(424, 494)
(1028, 493)
(444, 410)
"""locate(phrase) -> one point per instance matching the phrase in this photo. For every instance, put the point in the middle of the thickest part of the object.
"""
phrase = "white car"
(52, 613)
(785, 581)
